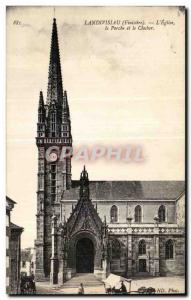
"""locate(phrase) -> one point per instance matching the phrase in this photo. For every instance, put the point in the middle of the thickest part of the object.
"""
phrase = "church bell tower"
(54, 174)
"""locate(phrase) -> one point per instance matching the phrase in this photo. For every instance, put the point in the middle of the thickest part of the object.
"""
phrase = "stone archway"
(84, 256)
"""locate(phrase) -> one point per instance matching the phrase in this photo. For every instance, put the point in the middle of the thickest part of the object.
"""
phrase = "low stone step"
(75, 285)
(45, 279)
(86, 279)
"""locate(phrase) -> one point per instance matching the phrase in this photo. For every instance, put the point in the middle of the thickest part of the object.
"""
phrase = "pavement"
(162, 285)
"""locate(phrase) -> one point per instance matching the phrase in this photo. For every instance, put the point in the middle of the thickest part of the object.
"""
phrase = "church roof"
(9, 204)
(10, 200)
(16, 227)
(128, 190)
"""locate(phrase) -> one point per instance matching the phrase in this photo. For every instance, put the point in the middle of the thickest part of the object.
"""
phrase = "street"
(163, 285)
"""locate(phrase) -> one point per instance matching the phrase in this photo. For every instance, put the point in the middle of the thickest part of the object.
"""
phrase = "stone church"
(130, 228)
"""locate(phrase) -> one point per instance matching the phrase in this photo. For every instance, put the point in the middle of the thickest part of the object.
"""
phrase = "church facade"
(130, 228)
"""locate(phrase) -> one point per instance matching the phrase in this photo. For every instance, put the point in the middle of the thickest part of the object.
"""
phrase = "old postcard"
(95, 150)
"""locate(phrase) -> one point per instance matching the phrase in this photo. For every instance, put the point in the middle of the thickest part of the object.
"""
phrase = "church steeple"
(58, 122)
(54, 176)
(55, 89)
(56, 113)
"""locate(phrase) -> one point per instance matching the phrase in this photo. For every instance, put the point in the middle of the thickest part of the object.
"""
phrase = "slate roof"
(128, 190)
(16, 227)
(10, 200)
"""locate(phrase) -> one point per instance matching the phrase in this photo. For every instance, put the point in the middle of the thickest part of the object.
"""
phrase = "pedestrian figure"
(32, 285)
(81, 289)
(123, 289)
(107, 288)
(32, 276)
(22, 285)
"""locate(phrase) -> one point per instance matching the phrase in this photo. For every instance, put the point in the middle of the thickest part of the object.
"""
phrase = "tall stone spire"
(54, 177)
(55, 89)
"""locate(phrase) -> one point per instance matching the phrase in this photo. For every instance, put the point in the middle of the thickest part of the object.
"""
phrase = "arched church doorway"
(84, 256)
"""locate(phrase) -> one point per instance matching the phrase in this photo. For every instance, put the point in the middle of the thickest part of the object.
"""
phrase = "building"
(28, 260)
(13, 250)
(130, 228)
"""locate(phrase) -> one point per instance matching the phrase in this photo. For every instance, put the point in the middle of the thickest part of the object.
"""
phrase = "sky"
(125, 87)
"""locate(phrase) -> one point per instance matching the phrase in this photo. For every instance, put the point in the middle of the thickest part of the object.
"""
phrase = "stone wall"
(119, 265)
(175, 266)
(126, 209)
(180, 211)
(170, 267)
(15, 261)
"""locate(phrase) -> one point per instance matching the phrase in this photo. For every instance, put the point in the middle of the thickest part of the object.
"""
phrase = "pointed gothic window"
(161, 214)
(114, 214)
(23, 264)
(40, 182)
(53, 124)
(116, 249)
(169, 249)
(53, 117)
(142, 247)
(138, 214)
